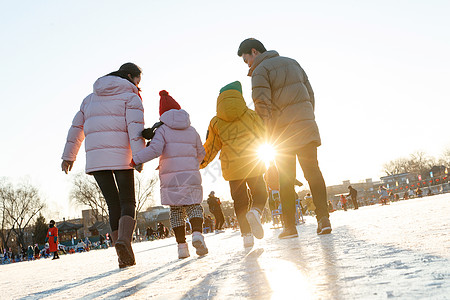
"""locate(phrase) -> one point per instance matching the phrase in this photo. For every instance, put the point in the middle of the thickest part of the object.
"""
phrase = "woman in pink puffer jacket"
(111, 120)
(180, 149)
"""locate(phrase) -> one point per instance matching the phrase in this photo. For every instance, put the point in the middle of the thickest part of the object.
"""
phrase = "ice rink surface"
(399, 251)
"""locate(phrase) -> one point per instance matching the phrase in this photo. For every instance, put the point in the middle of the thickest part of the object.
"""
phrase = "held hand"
(139, 167)
(66, 166)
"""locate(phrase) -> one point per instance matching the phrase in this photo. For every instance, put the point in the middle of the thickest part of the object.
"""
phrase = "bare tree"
(20, 205)
(85, 191)
(445, 158)
(396, 166)
(144, 191)
(6, 224)
(420, 163)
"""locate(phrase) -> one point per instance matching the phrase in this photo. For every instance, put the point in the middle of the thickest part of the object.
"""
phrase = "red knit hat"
(167, 103)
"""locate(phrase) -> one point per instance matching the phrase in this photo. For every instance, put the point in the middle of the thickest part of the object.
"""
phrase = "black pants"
(355, 203)
(220, 219)
(180, 231)
(118, 189)
(273, 203)
(241, 199)
(307, 157)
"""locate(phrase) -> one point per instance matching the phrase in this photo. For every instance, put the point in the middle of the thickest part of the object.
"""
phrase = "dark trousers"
(220, 219)
(355, 203)
(240, 194)
(118, 189)
(307, 157)
(180, 231)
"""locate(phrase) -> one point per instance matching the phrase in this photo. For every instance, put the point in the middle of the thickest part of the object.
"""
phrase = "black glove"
(149, 133)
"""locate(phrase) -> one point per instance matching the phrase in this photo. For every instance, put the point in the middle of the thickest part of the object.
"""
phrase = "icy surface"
(397, 251)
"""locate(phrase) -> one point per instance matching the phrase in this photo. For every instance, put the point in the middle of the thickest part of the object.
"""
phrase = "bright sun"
(266, 153)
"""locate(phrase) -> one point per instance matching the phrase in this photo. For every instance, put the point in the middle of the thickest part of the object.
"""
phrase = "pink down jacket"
(111, 120)
(180, 149)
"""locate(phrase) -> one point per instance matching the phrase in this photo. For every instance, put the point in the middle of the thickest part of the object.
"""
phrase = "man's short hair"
(247, 45)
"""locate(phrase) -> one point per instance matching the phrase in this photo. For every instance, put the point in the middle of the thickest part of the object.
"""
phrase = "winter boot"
(114, 235)
(254, 219)
(324, 226)
(183, 250)
(123, 243)
(248, 240)
(287, 233)
(198, 241)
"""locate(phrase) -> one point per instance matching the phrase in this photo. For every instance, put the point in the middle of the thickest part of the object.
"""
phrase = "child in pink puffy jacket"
(180, 152)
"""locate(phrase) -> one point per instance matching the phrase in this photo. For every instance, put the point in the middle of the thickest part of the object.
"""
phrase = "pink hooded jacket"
(111, 119)
(181, 151)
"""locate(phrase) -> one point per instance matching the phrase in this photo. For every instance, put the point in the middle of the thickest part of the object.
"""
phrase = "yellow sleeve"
(212, 145)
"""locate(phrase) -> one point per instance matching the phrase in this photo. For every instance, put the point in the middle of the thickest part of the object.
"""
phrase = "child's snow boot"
(183, 250)
(198, 241)
(254, 219)
(248, 240)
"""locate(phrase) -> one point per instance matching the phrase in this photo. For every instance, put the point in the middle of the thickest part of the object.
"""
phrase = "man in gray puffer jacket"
(284, 99)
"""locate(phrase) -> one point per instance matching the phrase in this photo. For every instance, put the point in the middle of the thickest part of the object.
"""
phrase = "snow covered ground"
(397, 251)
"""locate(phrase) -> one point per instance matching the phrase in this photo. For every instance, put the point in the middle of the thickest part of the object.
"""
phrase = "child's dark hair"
(125, 70)
(247, 45)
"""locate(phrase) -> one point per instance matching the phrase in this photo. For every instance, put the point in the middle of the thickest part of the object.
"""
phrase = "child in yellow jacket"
(237, 132)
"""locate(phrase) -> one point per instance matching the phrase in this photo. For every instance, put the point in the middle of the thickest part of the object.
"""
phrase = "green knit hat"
(232, 86)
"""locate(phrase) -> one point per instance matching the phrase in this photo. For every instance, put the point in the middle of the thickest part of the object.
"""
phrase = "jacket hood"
(113, 85)
(176, 119)
(230, 105)
(260, 58)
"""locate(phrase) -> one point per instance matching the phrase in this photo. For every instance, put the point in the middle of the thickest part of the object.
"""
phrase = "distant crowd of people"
(161, 232)
(385, 196)
(52, 247)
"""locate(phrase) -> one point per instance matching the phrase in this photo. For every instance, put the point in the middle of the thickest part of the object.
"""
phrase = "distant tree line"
(416, 163)
(22, 207)
(85, 192)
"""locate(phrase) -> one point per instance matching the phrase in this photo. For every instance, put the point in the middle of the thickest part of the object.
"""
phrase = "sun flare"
(266, 153)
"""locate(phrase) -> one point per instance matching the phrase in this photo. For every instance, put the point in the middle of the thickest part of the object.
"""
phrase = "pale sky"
(379, 70)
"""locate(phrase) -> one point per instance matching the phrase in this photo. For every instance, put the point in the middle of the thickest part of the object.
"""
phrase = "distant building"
(70, 230)
(153, 216)
(396, 180)
(99, 228)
